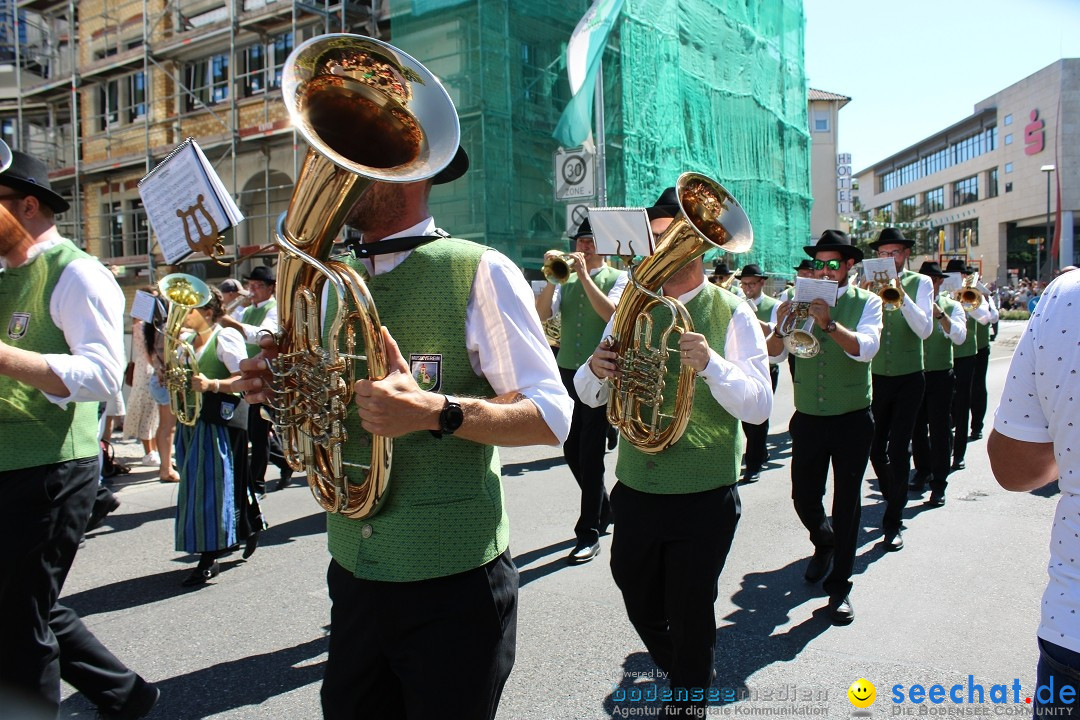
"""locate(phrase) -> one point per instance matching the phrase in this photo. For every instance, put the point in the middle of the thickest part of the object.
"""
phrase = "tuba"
(557, 268)
(184, 293)
(370, 113)
(709, 217)
(969, 296)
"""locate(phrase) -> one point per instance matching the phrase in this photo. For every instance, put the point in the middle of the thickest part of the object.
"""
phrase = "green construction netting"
(714, 86)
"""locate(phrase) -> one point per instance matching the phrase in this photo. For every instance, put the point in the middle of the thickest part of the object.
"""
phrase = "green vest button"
(365, 532)
(651, 465)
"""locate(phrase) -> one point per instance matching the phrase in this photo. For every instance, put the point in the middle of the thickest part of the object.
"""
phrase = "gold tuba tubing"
(370, 113)
(184, 292)
(709, 217)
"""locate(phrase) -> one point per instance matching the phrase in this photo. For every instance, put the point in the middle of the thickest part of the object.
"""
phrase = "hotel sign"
(843, 183)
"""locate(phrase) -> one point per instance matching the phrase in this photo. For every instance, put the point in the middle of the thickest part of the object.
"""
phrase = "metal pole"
(1050, 245)
(601, 167)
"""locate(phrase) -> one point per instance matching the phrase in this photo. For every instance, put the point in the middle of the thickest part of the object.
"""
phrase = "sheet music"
(953, 281)
(810, 289)
(143, 305)
(621, 231)
(878, 265)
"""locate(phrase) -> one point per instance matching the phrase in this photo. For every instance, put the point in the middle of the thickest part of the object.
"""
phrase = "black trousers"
(844, 441)
(895, 405)
(584, 453)
(439, 648)
(43, 513)
(978, 389)
(964, 367)
(666, 556)
(259, 435)
(931, 443)
(757, 436)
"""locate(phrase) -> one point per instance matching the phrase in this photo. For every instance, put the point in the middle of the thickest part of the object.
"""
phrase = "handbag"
(129, 373)
(224, 409)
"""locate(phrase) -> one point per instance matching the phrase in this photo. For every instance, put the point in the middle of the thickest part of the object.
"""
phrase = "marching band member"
(982, 362)
(964, 362)
(932, 441)
(586, 301)
(677, 509)
(898, 382)
(428, 582)
(805, 268)
(752, 280)
(832, 420)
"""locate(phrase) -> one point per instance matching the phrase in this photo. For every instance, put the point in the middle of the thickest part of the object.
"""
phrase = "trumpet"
(890, 291)
(184, 292)
(557, 268)
(799, 341)
(968, 295)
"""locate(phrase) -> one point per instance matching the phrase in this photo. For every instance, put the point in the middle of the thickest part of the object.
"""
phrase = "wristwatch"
(831, 327)
(450, 418)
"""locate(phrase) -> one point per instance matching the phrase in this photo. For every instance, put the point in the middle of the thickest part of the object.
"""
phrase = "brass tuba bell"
(709, 217)
(184, 293)
(370, 113)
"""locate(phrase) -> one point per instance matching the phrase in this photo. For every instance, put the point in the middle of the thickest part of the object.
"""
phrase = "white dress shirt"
(957, 323)
(230, 348)
(738, 380)
(269, 322)
(919, 316)
(613, 295)
(756, 302)
(503, 337)
(88, 307)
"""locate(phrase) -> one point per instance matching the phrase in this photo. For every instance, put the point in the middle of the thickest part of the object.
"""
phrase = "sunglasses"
(830, 264)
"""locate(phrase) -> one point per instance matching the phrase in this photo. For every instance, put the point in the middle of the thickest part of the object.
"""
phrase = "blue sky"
(914, 67)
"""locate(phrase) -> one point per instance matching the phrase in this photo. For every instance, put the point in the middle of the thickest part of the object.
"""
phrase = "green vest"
(970, 346)
(831, 383)
(582, 328)
(938, 348)
(34, 431)
(209, 363)
(708, 455)
(901, 351)
(982, 335)
(254, 316)
(764, 309)
(443, 512)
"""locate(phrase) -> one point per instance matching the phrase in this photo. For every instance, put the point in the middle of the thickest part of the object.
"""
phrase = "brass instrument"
(709, 217)
(969, 296)
(557, 268)
(553, 329)
(184, 293)
(370, 113)
(726, 284)
(799, 341)
(890, 291)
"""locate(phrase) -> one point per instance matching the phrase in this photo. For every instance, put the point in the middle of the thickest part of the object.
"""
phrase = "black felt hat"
(751, 271)
(583, 230)
(891, 236)
(29, 176)
(666, 206)
(958, 265)
(457, 167)
(836, 241)
(262, 273)
(804, 265)
(721, 269)
(931, 269)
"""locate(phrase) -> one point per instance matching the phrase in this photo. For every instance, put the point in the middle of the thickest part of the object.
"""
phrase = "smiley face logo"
(862, 693)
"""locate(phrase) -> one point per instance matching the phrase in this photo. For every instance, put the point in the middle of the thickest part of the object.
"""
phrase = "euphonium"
(184, 293)
(968, 295)
(370, 113)
(709, 217)
(799, 341)
(557, 268)
(890, 291)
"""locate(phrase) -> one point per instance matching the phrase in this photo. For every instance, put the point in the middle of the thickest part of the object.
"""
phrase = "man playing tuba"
(677, 509)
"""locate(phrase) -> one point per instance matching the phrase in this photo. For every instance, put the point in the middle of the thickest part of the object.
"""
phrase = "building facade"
(980, 188)
(830, 175)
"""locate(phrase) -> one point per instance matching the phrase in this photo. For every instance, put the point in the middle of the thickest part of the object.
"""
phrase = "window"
(136, 95)
(127, 230)
(1008, 187)
(967, 234)
(207, 81)
(962, 150)
(1007, 120)
(1008, 167)
(935, 200)
(108, 98)
(1008, 139)
(263, 64)
(821, 121)
(114, 227)
(966, 191)
(992, 183)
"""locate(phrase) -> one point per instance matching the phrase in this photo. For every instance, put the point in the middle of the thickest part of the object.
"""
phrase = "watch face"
(452, 417)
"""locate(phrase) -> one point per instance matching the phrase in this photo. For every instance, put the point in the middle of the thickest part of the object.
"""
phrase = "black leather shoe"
(819, 565)
(285, 479)
(251, 544)
(959, 465)
(937, 498)
(104, 505)
(583, 553)
(975, 435)
(139, 703)
(750, 476)
(202, 575)
(841, 612)
(918, 482)
(894, 540)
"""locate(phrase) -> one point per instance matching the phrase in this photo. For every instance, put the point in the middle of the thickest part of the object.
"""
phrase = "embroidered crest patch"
(16, 329)
(427, 371)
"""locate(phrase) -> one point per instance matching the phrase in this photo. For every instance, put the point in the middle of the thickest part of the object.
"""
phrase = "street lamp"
(1038, 255)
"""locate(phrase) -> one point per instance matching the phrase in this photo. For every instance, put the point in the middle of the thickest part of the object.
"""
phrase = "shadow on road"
(535, 573)
(518, 469)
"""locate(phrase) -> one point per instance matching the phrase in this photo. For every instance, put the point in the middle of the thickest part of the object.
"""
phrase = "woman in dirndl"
(216, 508)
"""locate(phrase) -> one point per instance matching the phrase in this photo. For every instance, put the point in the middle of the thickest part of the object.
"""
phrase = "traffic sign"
(574, 174)
(575, 213)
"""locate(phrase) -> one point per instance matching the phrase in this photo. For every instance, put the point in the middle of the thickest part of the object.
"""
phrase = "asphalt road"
(961, 599)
